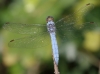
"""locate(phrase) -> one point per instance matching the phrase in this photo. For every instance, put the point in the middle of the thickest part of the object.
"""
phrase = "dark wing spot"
(7, 22)
(88, 4)
(11, 40)
(92, 22)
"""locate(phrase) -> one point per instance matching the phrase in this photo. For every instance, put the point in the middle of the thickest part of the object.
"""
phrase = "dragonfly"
(64, 27)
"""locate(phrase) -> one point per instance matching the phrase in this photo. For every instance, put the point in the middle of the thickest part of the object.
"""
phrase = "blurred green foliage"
(82, 60)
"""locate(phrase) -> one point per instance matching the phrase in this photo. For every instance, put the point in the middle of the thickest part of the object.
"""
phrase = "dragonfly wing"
(33, 41)
(75, 17)
(25, 28)
(72, 32)
(67, 26)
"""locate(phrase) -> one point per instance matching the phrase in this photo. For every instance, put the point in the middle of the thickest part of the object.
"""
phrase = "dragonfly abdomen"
(54, 47)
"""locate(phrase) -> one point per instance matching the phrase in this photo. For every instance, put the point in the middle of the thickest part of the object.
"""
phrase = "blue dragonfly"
(64, 27)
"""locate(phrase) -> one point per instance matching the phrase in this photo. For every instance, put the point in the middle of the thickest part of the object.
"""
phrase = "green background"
(80, 56)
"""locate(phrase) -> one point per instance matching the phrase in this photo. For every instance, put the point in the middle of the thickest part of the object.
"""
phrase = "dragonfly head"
(49, 18)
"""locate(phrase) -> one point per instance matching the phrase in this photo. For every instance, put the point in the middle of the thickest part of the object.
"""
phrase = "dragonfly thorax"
(51, 26)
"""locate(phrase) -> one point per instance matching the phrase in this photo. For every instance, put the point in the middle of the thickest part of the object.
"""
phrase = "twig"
(56, 71)
(99, 67)
(56, 68)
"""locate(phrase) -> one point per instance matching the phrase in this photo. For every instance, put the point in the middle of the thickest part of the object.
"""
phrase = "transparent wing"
(68, 26)
(75, 17)
(25, 28)
(33, 41)
(72, 32)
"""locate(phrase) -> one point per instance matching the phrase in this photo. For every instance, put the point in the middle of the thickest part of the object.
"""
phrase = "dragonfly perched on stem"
(64, 27)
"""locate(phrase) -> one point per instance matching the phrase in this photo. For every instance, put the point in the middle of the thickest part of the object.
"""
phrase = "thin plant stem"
(99, 67)
(56, 68)
(56, 71)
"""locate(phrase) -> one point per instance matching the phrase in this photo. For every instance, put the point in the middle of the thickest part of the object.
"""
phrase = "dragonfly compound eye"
(50, 18)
